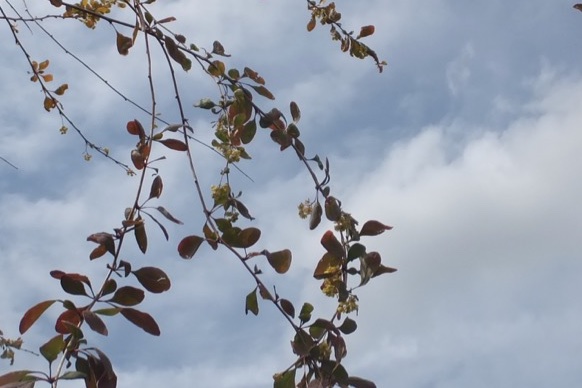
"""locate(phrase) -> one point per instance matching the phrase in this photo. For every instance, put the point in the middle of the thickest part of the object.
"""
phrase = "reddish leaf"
(124, 43)
(98, 252)
(265, 294)
(333, 209)
(242, 209)
(253, 75)
(315, 217)
(311, 24)
(128, 296)
(135, 128)
(373, 228)
(107, 368)
(142, 320)
(332, 244)
(174, 144)
(109, 287)
(383, 269)
(167, 214)
(248, 237)
(6, 380)
(94, 322)
(66, 319)
(327, 266)
(288, 307)
(366, 31)
(263, 91)
(189, 245)
(358, 382)
(157, 186)
(33, 314)
(103, 239)
(137, 159)
(153, 279)
(280, 260)
(295, 112)
(218, 49)
(578, 7)
(72, 286)
(141, 236)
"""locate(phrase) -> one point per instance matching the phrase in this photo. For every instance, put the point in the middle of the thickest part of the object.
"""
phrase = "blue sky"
(469, 144)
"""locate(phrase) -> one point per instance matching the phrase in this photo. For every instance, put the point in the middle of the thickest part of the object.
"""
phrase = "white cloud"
(486, 217)
(458, 70)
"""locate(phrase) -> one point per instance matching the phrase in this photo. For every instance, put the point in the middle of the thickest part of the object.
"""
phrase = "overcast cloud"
(469, 144)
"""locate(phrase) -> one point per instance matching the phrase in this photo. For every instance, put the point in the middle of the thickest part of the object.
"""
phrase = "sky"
(469, 145)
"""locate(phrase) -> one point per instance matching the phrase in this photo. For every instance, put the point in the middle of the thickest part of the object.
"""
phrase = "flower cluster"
(305, 208)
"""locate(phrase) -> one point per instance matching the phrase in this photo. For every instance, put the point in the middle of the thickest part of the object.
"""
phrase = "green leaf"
(205, 103)
(280, 260)
(188, 246)
(72, 375)
(141, 320)
(305, 313)
(176, 54)
(95, 323)
(216, 68)
(50, 350)
(109, 312)
(33, 314)
(248, 132)
(284, 380)
(128, 296)
(252, 303)
(153, 279)
(357, 250)
(348, 326)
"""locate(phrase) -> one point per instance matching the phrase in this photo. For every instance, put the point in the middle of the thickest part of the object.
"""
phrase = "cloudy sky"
(469, 144)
